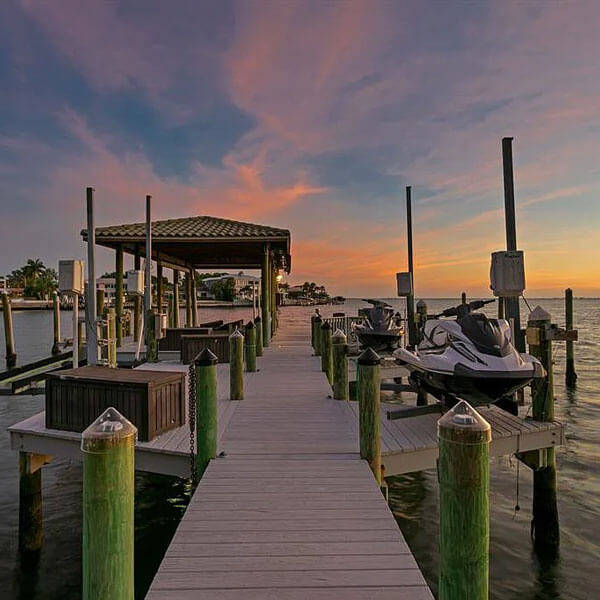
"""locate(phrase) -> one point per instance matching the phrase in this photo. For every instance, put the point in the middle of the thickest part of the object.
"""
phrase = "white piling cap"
(236, 334)
(111, 425)
(539, 314)
(463, 416)
(339, 337)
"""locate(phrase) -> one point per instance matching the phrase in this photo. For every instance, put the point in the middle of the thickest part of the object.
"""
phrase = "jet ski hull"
(475, 387)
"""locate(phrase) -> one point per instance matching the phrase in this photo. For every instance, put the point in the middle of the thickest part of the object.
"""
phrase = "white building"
(109, 285)
(242, 283)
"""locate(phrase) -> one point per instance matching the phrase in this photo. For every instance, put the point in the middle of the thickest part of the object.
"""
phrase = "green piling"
(236, 365)
(99, 302)
(545, 524)
(326, 354)
(570, 374)
(463, 298)
(369, 382)
(56, 323)
(30, 502)
(464, 479)
(119, 294)
(250, 347)
(259, 336)
(108, 501)
(111, 337)
(312, 330)
(206, 409)
(339, 345)
(318, 325)
(9, 335)
(151, 341)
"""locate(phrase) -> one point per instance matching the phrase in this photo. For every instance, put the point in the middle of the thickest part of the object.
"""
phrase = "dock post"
(99, 302)
(188, 300)
(339, 345)
(368, 384)
(176, 298)
(570, 374)
(250, 347)
(326, 357)
(137, 302)
(500, 307)
(266, 297)
(422, 318)
(56, 322)
(30, 501)
(159, 284)
(544, 526)
(236, 365)
(9, 335)
(464, 478)
(111, 337)
(194, 299)
(312, 331)
(151, 341)
(259, 336)
(119, 294)
(206, 409)
(318, 325)
(463, 298)
(108, 500)
(81, 328)
(410, 299)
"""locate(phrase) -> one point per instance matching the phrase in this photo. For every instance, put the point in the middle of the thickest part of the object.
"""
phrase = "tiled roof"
(191, 228)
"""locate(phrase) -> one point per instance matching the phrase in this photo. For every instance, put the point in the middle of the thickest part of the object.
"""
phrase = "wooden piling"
(421, 317)
(171, 309)
(108, 504)
(339, 345)
(266, 296)
(259, 336)
(111, 337)
(119, 294)
(463, 298)
(312, 330)
(9, 335)
(318, 325)
(99, 302)
(570, 374)
(176, 298)
(368, 384)
(236, 365)
(501, 307)
(188, 300)
(464, 479)
(56, 323)
(326, 354)
(137, 303)
(410, 299)
(250, 347)
(206, 409)
(159, 287)
(545, 523)
(151, 341)
(30, 501)
(194, 299)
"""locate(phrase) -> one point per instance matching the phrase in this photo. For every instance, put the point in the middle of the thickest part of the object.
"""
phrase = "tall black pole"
(410, 299)
(511, 304)
(90, 301)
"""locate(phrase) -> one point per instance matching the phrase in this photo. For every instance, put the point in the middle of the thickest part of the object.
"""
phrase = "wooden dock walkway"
(291, 511)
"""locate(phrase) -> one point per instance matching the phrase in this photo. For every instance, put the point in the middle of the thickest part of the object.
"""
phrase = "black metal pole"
(511, 304)
(410, 299)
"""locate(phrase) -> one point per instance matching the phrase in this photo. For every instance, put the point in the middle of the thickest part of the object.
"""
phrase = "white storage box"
(507, 273)
(70, 276)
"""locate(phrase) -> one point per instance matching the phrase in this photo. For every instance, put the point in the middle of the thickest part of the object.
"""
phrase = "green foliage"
(224, 289)
(37, 280)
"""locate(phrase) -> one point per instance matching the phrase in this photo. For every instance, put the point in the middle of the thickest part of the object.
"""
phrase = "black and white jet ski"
(381, 328)
(471, 357)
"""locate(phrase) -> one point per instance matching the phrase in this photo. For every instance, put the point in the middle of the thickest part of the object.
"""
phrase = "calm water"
(516, 571)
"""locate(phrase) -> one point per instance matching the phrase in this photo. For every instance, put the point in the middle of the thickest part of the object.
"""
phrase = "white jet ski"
(471, 357)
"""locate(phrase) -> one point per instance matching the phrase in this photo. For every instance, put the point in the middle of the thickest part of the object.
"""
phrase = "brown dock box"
(217, 343)
(154, 401)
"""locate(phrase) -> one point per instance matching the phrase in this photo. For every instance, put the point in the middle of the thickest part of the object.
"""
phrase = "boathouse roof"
(201, 242)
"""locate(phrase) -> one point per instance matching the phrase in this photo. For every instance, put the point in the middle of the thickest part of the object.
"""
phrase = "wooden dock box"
(154, 401)
(218, 343)
(172, 339)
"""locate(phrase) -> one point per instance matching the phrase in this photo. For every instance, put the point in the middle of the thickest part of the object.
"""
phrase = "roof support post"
(119, 293)
(175, 298)
(266, 296)
(188, 300)
(159, 284)
(194, 299)
(137, 301)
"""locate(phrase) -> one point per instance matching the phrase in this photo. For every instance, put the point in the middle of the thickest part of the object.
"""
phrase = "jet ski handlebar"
(463, 309)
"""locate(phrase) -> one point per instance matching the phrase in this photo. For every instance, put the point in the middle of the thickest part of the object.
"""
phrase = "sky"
(312, 116)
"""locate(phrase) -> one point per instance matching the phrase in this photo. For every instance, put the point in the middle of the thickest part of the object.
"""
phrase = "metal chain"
(192, 421)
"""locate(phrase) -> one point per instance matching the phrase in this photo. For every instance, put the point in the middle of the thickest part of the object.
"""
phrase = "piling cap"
(369, 357)
(236, 334)
(539, 314)
(326, 325)
(421, 304)
(250, 325)
(206, 358)
(318, 319)
(106, 431)
(258, 319)
(339, 337)
(463, 416)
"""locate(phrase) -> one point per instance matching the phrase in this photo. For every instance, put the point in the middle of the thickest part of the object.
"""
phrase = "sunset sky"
(312, 116)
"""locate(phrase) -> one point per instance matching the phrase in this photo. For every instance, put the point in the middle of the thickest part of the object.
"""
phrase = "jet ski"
(471, 357)
(381, 328)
